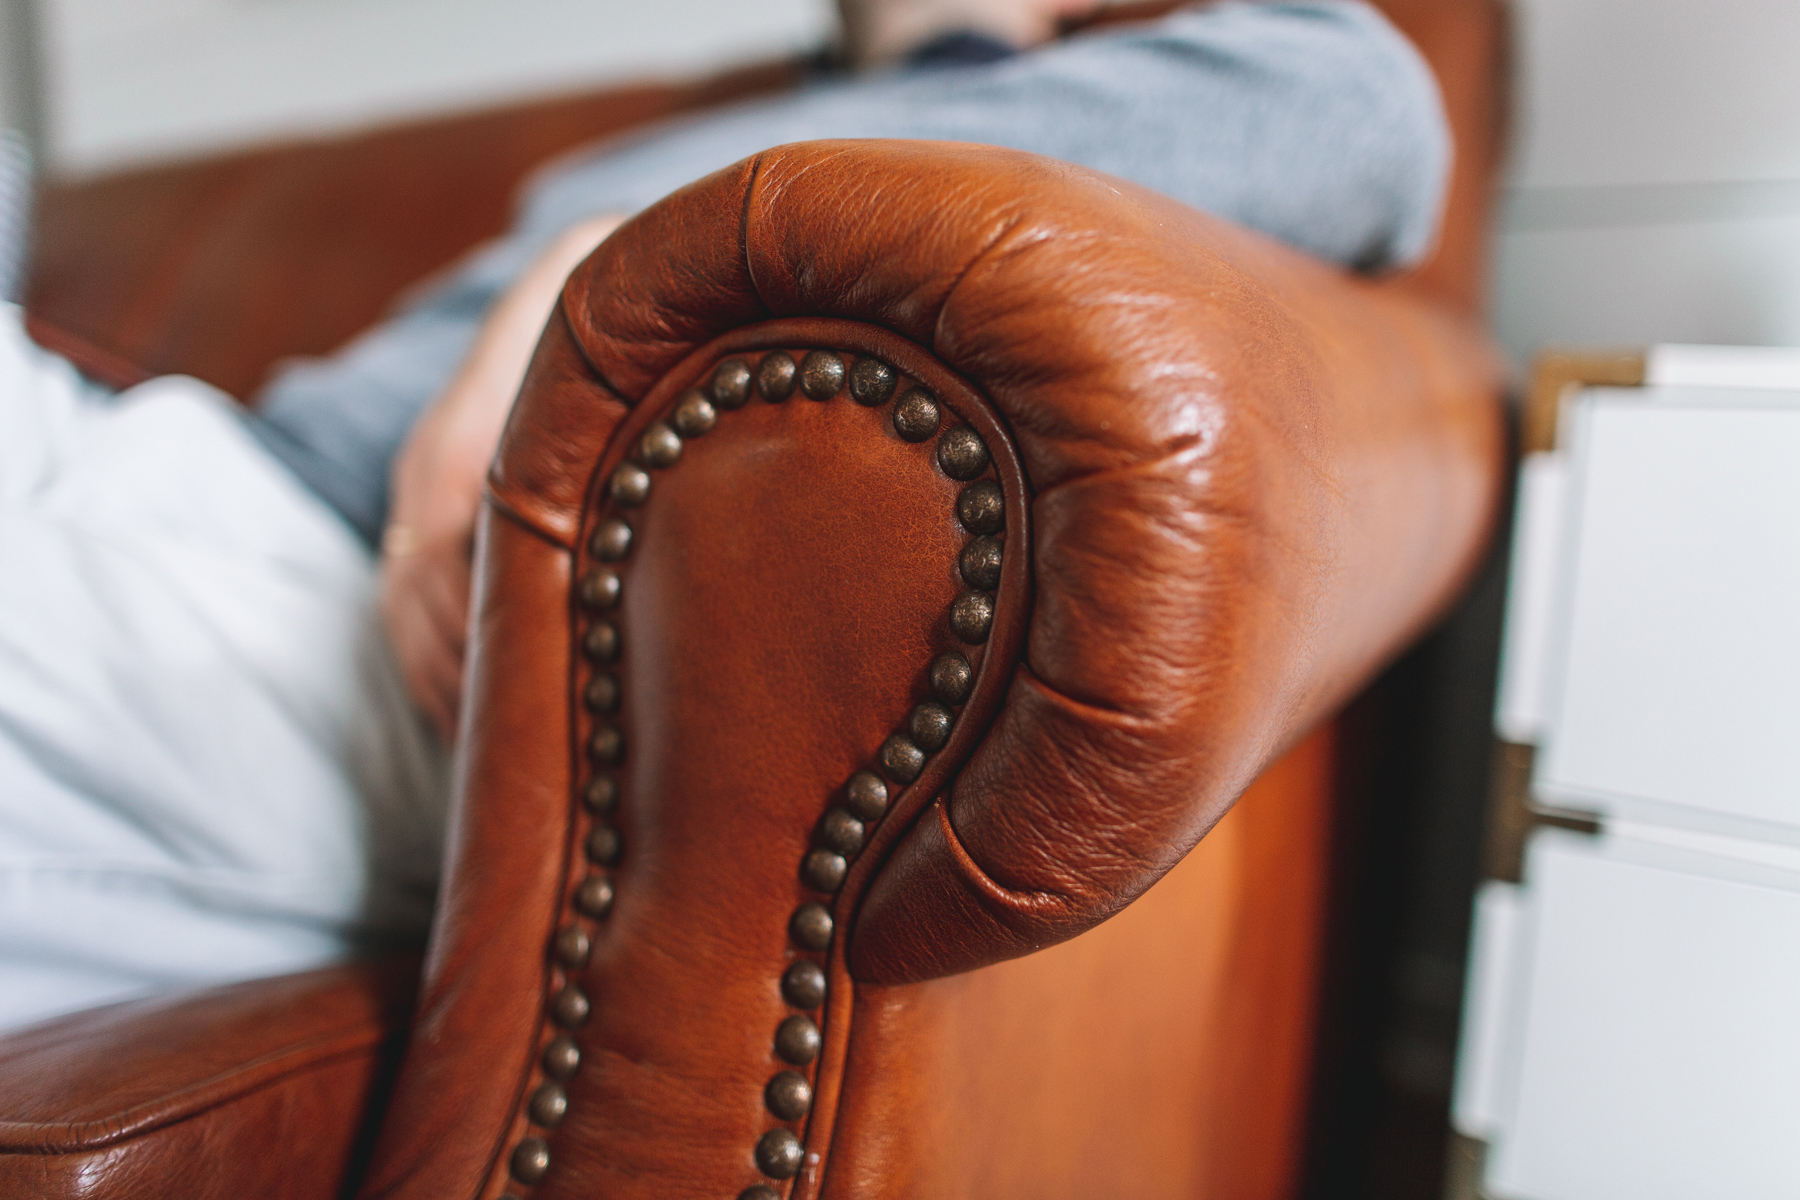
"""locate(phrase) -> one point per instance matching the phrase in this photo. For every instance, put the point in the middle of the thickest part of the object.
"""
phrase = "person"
(231, 642)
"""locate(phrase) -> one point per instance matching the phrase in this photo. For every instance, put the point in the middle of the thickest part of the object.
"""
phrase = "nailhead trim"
(599, 593)
(917, 416)
(981, 509)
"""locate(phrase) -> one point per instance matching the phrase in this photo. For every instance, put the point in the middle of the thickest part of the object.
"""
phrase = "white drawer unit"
(1632, 1021)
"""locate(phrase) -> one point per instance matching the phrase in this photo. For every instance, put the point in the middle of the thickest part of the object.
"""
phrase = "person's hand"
(427, 548)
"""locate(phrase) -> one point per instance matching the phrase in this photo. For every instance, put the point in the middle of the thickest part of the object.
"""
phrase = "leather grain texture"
(1255, 478)
(1250, 479)
(789, 582)
(1163, 1054)
(178, 1095)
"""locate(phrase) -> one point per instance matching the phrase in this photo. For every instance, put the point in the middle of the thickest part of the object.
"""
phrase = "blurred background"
(115, 83)
(1654, 192)
(1653, 195)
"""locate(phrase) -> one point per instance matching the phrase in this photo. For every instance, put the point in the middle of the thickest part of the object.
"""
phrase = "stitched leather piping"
(989, 617)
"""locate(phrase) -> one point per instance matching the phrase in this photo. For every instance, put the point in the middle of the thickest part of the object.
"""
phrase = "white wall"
(129, 80)
(1656, 186)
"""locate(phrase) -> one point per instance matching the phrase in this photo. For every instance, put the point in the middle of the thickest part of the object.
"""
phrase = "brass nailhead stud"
(980, 563)
(694, 414)
(916, 417)
(600, 590)
(660, 446)
(821, 374)
(630, 485)
(972, 616)
(779, 1154)
(570, 1007)
(811, 926)
(775, 376)
(982, 507)
(841, 832)
(562, 1057)
(761, 1191)
(601, 794)
(823, 870)
(602, 693)
(866, 796)
(788, 1095)
(595, 896)
(797, 1040)
(901, 759)
(731, 383)
(532, 1159)
(872, 382)
(573, 947)
(601, 642)
(952, 678)
(803, 984)
(962, 453)
(611, 540)
(930, 725)
(603, 845)
(549, 1105)
(607, 745)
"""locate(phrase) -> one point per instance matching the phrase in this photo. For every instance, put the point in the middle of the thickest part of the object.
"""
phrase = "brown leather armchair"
(899, 557)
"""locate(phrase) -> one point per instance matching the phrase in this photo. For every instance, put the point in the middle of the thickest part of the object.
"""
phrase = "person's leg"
(208, 768)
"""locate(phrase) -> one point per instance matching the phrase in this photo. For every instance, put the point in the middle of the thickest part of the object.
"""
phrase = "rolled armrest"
(262, 1089)
(899, 556)
(1254, 478)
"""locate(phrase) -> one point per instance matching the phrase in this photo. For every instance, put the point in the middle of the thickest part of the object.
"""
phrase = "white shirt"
(209, 768)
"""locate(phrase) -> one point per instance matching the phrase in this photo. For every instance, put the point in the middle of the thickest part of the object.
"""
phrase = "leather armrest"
(1232, 481)
(102, 366)
(263, 1088)
(1255, 478)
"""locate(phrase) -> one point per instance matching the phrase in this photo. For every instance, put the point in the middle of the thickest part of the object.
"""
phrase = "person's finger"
(430, 658)
(442, 675)
(443, 588)
(449, 641)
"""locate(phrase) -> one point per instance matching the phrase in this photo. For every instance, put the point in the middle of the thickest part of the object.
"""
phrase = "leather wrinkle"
(502, 508)
(597, 374)
(1114, 829)
(992, 890)
(995, 245)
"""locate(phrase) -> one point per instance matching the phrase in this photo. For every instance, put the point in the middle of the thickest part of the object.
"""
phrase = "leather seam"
(756, 169)
(990, 888)
(118, 1129)
(562, 314)
(975, 260)
(503, 509)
